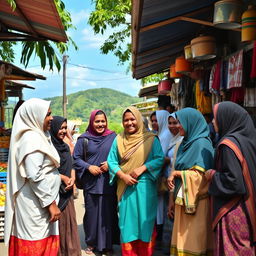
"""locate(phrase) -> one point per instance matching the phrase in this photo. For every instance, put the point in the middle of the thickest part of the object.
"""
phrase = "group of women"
(119, 175)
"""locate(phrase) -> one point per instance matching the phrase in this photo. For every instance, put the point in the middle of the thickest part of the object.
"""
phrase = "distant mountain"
(80, 104)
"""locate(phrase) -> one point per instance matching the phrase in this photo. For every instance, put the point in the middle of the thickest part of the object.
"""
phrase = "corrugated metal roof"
(160, 31)
(37, 18)
(13, 72)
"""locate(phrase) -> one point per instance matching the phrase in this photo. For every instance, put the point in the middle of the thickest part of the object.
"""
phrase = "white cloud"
(80, 17)
(93, 40)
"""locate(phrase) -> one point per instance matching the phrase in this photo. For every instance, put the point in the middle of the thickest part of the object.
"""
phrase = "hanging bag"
(79, 180)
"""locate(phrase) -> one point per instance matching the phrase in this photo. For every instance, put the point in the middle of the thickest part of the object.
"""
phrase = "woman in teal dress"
(135, 161)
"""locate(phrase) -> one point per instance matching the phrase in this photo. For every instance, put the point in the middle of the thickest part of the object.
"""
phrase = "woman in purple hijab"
(100, 219)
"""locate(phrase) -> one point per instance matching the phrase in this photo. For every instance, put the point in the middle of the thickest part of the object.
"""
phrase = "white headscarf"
(175, 138)
(27, 137)
(164, 133)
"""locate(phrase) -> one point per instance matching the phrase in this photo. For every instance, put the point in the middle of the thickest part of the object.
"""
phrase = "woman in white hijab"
(164, 136)
(33, 182)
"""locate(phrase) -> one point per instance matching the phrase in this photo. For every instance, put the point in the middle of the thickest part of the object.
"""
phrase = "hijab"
(164, 133)
(62, 148)
(27, 137)
(90, 129)
(133, 148)
(235, 124)
(65, 159)
(196, 148)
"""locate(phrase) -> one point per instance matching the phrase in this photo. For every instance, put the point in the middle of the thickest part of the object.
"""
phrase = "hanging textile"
(250, 97)
(235, 70)
(203, 102)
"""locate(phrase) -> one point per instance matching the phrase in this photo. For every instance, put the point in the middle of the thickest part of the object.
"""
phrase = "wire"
(96, 69)
(94, 80)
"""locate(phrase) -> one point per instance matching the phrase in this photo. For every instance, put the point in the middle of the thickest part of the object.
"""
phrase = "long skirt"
(32, 233)
(192, 234)
(232, 234)
(139, 248)
(69, 238)
(101, 221)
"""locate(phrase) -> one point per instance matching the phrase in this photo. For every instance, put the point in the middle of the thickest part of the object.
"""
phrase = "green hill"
(80, 104)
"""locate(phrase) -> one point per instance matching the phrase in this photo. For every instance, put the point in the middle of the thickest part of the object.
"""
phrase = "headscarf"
(175, 138)
(235, 124)
(90, 129)
(65, 158)
(164, 133)
(195, 150)
(27, 137)
(61, 146)
(69, 137)
(134, 148)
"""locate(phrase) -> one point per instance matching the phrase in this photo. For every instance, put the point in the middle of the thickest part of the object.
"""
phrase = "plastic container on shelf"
(1, 223)
(3, 176)
(4, 152)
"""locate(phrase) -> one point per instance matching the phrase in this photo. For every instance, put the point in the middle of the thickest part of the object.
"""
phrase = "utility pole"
(64, 104)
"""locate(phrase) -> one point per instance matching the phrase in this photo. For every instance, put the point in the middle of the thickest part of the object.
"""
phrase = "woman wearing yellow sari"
(191, 231)
(135, 161)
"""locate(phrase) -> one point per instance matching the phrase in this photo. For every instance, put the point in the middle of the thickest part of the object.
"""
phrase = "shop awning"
(14, 89)
(161, 29)
(149, 91)
(9, 71)
(35, 19)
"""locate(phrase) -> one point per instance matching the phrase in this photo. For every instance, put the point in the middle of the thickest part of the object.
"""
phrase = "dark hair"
(152, 114)
(100, 113)
(19, 103)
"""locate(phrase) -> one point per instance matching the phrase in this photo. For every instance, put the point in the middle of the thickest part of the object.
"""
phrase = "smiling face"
(181, 130)
(154, 123)
(172, 125)
(62, 131)
(100, 123)
(130, 123)
(47, 121)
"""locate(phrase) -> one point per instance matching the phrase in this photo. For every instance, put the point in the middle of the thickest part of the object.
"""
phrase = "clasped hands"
(131, 178)
(97, 170)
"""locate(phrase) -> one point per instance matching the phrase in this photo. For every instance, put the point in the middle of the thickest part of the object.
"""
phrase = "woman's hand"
(171, 206)
(54, 212)
(170, 180)
(138, 171)
(208, 174)
(104, 166)
(69, 182)
(95, 170)
(129, 180)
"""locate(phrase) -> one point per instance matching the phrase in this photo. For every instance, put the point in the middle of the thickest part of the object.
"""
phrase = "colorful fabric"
(133, 149)
(45, 247)
(232, 234)
(216, 77)
(139, 248)
(203, 102)
(235, 70)
(192, 235)
(90, 128)
(237, 95)
(194, 157)
(136, 215)
(250, 97)
(235, 176)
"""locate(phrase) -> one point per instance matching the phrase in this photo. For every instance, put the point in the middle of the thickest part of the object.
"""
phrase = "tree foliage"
(44, 50)
(115, 15)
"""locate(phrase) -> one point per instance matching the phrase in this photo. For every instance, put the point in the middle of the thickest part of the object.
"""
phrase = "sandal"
(89, 251)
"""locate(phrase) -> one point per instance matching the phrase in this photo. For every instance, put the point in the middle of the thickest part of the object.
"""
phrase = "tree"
(45, 50)
(115, 15)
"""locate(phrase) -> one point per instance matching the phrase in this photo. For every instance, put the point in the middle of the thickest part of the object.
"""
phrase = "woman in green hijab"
(191, 232)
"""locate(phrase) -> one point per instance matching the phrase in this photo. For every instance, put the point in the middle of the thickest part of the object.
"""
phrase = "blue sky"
(88, 55)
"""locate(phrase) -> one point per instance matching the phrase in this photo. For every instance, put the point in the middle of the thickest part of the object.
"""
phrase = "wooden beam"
(204, 22)
(27, 22)
(174, 19)
(10, 36)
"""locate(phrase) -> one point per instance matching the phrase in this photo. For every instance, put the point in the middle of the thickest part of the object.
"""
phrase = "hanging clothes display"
(235, 70)
(203, 102)
(250, 97)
